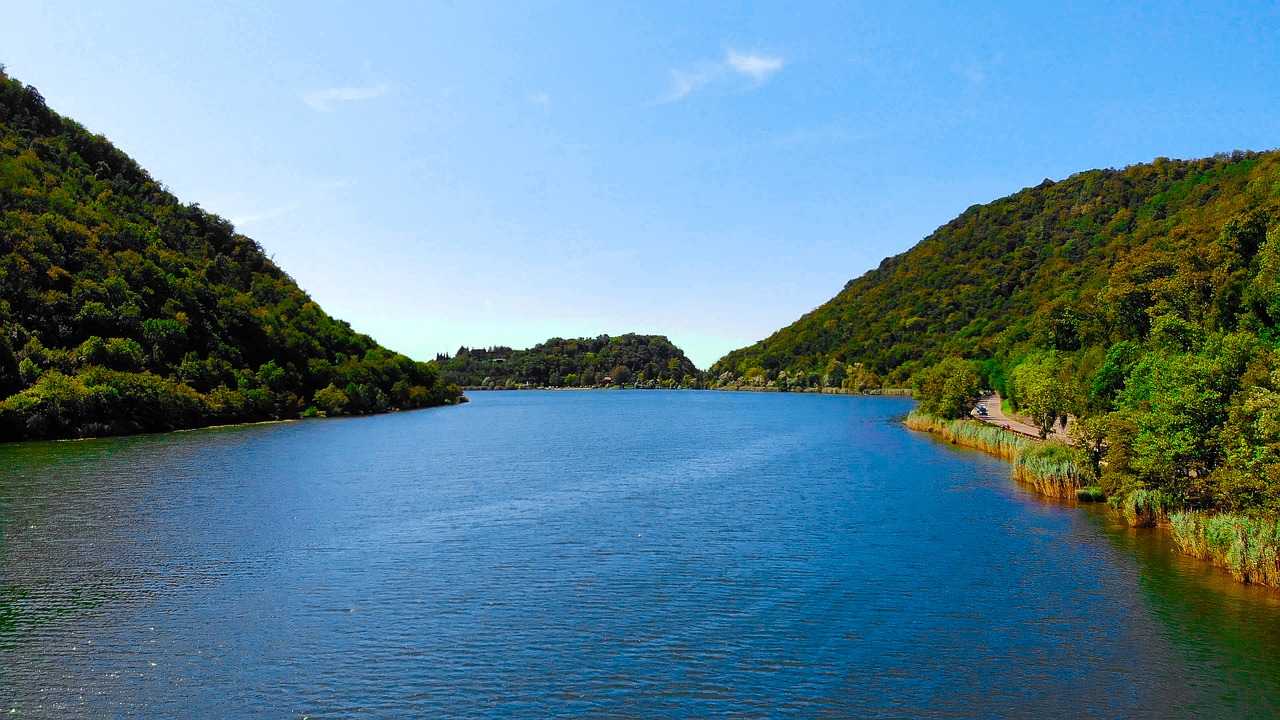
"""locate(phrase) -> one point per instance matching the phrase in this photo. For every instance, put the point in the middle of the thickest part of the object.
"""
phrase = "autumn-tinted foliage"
(124, 310)
(580, 362)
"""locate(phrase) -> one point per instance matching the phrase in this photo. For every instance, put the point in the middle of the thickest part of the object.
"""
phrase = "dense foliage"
(947, 389)
(641, 360)
(123, 310)
(1145, 302)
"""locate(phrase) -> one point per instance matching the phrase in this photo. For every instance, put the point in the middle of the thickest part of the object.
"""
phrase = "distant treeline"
(123, 310)
(624, 360)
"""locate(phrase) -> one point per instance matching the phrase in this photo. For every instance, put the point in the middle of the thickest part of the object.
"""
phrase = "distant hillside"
(1058, 265)
(648, 360)
(123, 310)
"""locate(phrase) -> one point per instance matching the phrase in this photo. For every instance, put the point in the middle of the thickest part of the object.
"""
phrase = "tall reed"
(1246, 545)
(1052, 468)
(981, 436)
(1145, 507)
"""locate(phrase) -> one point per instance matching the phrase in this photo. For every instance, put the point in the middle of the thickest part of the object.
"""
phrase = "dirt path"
(995, 416)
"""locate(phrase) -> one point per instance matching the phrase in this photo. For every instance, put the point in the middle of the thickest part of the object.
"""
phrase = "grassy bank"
(1052, 468)
(1248, 546)
(968, 433)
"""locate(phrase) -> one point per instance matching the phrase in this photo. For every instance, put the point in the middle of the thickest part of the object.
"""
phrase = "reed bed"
(1145, 508)
(1051, 468)
(1248, 546)
(968, 433)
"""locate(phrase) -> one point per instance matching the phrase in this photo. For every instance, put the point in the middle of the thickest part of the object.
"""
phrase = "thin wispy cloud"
(541, 98)
(735, 65)
(324, 100)
(758, 67)
(246, 208)
(684, 82)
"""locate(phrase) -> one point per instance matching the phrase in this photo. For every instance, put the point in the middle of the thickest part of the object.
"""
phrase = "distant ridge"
(647, 360)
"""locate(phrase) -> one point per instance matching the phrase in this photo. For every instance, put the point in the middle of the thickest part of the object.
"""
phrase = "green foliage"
(947, 389)
(1039, 389)
(1061, 266)
(1090, 494)
(580, 362)
(1144, 302)
(135, 312)
(1145, 508)
(330, 400)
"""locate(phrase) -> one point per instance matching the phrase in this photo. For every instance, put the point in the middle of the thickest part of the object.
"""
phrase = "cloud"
(759, 68)
(684, 82)
(323, 100)
(541, 98)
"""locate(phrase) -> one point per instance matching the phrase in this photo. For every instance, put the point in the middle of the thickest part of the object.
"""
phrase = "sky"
(475, 174)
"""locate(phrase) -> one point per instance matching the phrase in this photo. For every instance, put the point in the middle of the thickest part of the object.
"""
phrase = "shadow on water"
(1222, 638)
(1227, 633)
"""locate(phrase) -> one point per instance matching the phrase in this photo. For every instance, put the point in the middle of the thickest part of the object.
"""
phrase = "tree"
(1039, 389)
(621, 375)
(835, 374)
(947, 389)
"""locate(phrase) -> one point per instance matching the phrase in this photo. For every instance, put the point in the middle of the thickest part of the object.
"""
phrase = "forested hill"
(644, 360)
(1064, 266)
(123, 310)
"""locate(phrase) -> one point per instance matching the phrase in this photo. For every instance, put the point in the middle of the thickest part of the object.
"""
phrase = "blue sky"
(445, 174)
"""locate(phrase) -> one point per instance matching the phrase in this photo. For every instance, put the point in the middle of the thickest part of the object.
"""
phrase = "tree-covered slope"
(1143, 302)
(123, 310)
(649, 360)
(1063, 264)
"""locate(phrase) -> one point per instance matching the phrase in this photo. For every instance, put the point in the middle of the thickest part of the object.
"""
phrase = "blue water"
(597, 554)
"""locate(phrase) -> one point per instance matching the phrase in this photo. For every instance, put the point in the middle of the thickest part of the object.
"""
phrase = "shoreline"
(226, 425)
(1244, 545)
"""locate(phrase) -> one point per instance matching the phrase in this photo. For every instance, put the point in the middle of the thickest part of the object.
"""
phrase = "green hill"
(1056, 265)
(648, 360)
(1144, 301)
(123, 310)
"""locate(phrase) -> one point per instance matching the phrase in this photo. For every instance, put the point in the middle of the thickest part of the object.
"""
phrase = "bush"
(946, 389)
(1145, 507)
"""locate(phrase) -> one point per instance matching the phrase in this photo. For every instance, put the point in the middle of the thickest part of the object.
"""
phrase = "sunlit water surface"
(597, 554)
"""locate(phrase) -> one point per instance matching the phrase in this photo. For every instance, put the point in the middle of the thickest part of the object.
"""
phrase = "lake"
(647, 554)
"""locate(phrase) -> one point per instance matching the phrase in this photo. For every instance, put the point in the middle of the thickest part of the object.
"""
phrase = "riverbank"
(1245, 545)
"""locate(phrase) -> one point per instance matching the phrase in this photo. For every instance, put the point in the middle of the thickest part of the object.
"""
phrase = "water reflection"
(1226, 633)
(600, 554)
